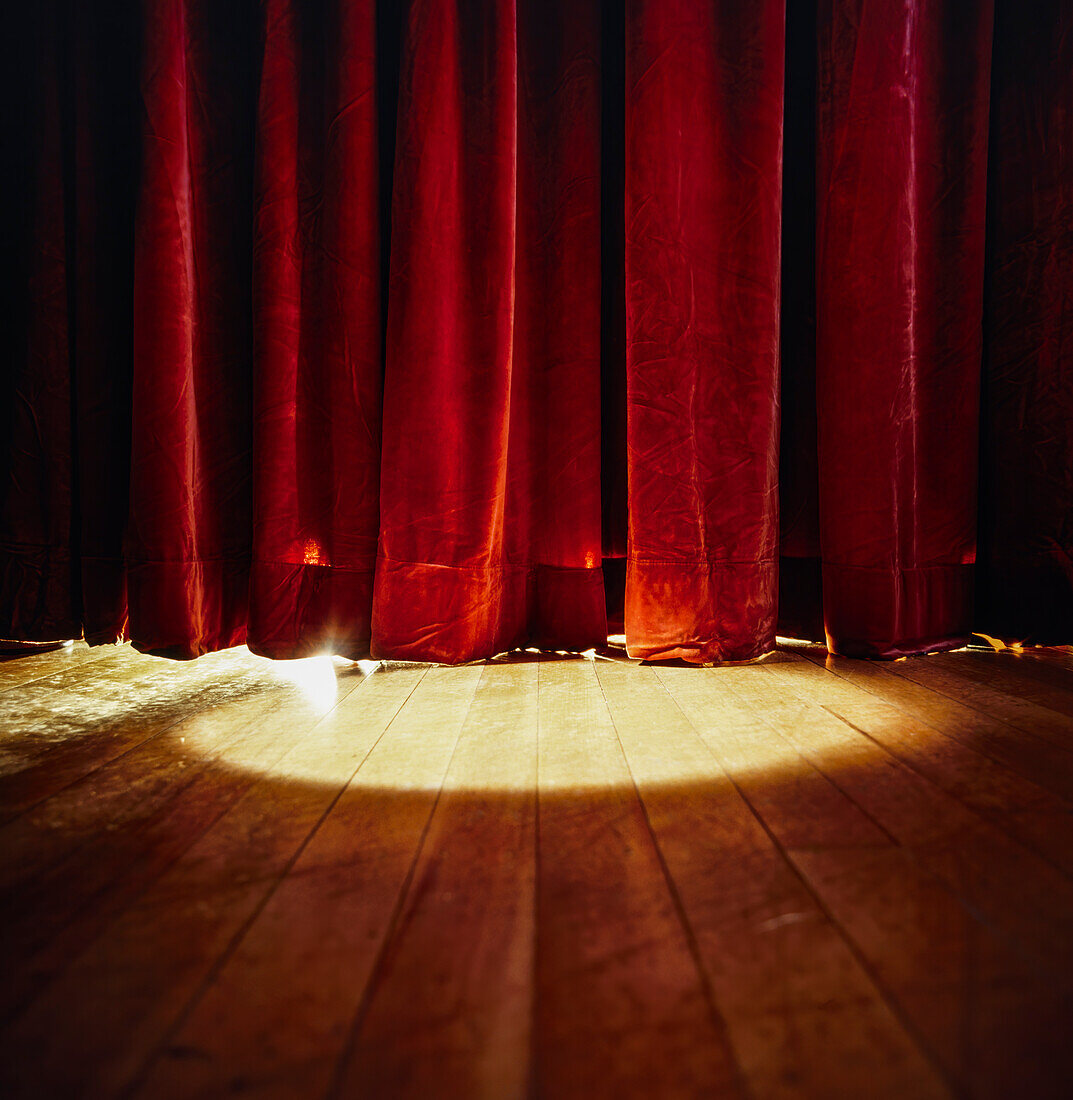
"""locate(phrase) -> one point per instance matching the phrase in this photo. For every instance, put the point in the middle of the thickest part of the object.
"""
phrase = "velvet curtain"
(426, 330)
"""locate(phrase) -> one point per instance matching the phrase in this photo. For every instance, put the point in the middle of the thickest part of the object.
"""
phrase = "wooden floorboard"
(307, 958)
(1016, 674)
(1047, 761)
(835, 840)
(16, 669)
(60, 729)
(154, 958)
(130, 824)
(536, 877)
(621, 998)
(990, 695)
(1021, 894)
(802, 1015)
(448, 1010)
(1030, 813)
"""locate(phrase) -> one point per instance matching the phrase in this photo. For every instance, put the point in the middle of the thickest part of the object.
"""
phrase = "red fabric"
(189, 527)
(901, 181)
(317, 332)
(38, 559)
(703, 166)
(490, 498)
(427, 330)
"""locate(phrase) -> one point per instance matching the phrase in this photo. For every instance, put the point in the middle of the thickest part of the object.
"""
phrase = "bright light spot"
(366, 668)
(414, 752)
(313, 554)
(314, 677)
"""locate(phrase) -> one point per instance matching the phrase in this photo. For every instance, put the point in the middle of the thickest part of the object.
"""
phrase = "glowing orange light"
(312, 553)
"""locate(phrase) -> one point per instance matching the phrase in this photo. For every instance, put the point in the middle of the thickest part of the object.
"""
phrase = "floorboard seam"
(232, 945)
(687, 929)
(885, 996)
(376, 970)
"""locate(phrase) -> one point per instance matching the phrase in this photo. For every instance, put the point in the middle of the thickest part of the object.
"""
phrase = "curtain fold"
(490, 508)
(317, 331)
(901, 181)
(704, 109)
(428, 330)
(189, 525)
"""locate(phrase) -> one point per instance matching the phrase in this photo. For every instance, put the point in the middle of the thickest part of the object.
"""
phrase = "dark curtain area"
(427, 330)
(1025, 566)
(901, 170)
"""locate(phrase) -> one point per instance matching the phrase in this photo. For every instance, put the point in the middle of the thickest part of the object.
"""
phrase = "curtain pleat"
(189, 527)
(38, 537)
(317, 331)
(444, 585)
(428, 330)
(704, 88)
(901, 182)
(490, 506)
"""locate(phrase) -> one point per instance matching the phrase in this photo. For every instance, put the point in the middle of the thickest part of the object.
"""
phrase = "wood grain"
(62, 728)
(448, 1011)
(1031, 813)
(23, 668)
(1045, 761)
(621, 1006)
(307, 957)
(798, 1001)
(540, 877)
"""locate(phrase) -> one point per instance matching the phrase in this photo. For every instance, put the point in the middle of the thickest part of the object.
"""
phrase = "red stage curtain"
(189, 528)
(317, 331)
(490, 491)
(426, 330)
(901, 179)
(704, 105)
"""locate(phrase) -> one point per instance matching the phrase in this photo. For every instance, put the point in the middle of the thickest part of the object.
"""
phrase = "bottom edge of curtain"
(890, 613)
(185, 609)
(104, 600)
(430, 612)
(703, 613)
(299, 610)
(37, 601)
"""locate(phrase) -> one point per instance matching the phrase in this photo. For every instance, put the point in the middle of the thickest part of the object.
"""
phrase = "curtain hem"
(700, 612)
(300, 610)
(196, 607)
(451, 615)
(36, 593)
(887, 614)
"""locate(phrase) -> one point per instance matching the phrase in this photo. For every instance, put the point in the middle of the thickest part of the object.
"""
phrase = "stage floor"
(536, 876)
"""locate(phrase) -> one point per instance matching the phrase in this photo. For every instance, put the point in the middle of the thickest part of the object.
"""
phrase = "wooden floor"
(537, 876)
